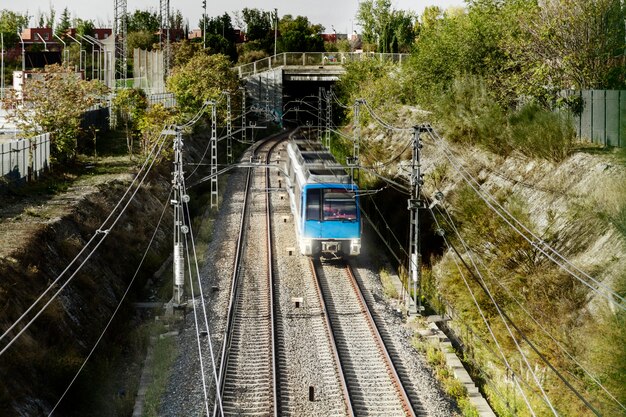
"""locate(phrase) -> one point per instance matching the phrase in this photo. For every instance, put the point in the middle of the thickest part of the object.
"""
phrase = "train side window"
(313, 197)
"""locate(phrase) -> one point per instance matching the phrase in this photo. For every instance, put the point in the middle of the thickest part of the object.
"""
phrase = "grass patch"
(388, 288)
(164, 355)
(452, 386)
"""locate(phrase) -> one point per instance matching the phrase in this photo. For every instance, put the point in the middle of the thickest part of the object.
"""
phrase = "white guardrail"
(313, 58)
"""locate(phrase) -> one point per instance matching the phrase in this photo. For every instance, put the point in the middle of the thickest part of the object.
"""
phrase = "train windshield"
(339, 205)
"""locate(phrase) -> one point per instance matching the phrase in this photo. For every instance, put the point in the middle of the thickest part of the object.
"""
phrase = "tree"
(299, 35)
(183, 51)
(64, 24)
(203, 77)
(573, 43)
(143, 20)
(10, 24)
(142, 40)
(258, 26)
(220, 35)
(151, 125)
(391, 30)
(130, 105)
(54, 102)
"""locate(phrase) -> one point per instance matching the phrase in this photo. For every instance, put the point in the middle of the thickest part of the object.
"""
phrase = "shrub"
(468, 113)
(541, 133)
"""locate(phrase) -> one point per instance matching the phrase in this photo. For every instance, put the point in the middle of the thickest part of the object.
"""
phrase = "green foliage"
(183, 51)
(391, 30)
(143, 21)
(64, 24)
(298, 34)
(220, 35)
(258, 26)
(142, 39)
(150, 126)
(542, 134)
(130, 106)
(10, 24)
(468, 113)
(203, 77)
(55, 102)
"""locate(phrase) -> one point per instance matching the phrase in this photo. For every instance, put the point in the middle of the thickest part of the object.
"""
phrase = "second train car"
(324, 201)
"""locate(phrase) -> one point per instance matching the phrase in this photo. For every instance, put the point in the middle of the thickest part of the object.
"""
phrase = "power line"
(537, 243)
(100, 233)
(504, 315)
(106, 327)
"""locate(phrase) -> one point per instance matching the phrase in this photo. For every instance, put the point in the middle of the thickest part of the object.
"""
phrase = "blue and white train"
(324, 202)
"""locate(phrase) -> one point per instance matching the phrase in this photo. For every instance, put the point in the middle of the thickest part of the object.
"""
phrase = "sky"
(330, 13)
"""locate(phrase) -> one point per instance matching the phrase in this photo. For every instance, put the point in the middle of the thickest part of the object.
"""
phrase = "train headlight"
(355, 246)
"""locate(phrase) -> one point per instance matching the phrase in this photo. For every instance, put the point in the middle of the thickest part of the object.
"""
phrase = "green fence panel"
(622, 119)
(598, 119)
(587, 115)
(612, 117)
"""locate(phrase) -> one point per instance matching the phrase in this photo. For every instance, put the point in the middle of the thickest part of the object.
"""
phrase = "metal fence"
(314, 58)
(603, 116)
(166, 99)
(18, 156)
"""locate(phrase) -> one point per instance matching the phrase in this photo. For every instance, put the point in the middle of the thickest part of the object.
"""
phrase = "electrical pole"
(229, 131)
(243, 115)
(354, 173)
(275, 29)
(213, 144)
(320, 105)
(204, 25)
(179, 227)
(414, 205)
(2, 67)
(329, 117)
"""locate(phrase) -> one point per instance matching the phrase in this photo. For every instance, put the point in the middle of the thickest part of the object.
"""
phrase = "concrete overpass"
(285, 87)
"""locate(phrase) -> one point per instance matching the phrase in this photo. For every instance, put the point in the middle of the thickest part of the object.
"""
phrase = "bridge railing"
(313, 58)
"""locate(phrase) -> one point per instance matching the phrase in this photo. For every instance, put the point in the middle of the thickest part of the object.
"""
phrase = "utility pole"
(179, 227)
(229, 131)
(356, 144)
(320, 105)
(243, 115)
(414, 205)
(204, 25)
(2, 67)
(23, 53)
(275, 29)
(213, 144)
(329, 117)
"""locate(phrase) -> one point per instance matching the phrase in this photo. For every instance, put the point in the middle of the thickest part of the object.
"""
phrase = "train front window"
(339, 205)
(313, 204)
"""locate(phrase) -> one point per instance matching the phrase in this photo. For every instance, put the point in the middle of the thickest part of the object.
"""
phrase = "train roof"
(318, 164)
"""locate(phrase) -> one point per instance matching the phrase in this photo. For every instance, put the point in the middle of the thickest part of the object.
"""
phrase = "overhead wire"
(119, 305)
(537, 243)
(486, 322)
(478, 274)
(99, 233)
(522, 334)
(206, 320)
(197, 329)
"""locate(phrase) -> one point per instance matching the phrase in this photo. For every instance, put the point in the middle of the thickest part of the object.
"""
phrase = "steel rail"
(391, 369)
(332, 341)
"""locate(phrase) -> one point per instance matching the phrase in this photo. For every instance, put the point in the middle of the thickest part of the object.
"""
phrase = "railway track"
(248, 382)
(371, 379)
